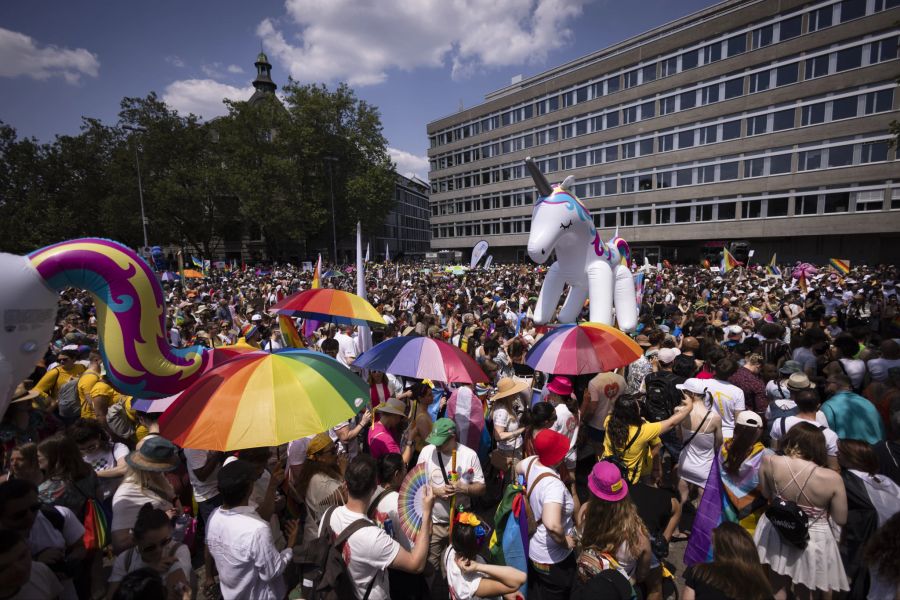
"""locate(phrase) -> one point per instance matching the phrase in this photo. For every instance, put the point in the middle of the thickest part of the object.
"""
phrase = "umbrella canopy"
(260, 399)
(159, 405)
(581, 349)
(192, 274)
(169, 276)
(223, 354)
(331, 306)
(423, 358)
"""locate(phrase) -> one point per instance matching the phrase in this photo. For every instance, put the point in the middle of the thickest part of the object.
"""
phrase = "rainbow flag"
(801, 283)
(729, 262)
(841, 265)
(771, 269)
(310, 325)
(289, 332)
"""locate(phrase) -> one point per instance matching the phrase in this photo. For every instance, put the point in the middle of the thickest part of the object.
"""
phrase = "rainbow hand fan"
(410, 500)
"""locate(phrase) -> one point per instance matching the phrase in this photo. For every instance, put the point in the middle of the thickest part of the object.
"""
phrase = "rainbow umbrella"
(223, 354)
(583, 348)
(422, 358)
(158, 405)
(261, 399)
(331, 306)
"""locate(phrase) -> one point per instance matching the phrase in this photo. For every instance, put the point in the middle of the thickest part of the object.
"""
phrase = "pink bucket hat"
(605, 482)
(561, 386)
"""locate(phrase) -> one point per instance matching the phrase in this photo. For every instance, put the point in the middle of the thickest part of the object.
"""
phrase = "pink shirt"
(381, 441)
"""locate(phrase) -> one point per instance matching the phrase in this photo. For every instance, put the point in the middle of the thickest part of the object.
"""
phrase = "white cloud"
(346, 40)
(409, 164)
(175, 61)
(21, 55)
(203, 97)
(235, 69)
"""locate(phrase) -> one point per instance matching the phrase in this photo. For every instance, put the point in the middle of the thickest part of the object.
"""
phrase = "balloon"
(591, 267)
(131, 317)
(804, 269)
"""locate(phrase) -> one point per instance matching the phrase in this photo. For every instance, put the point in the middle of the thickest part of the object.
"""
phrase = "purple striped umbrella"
(422, 358)
(581, 349)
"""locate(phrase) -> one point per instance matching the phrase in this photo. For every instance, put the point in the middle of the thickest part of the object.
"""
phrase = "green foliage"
(263, 165)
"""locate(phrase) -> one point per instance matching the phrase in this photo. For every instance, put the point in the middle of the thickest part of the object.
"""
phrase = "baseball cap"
(692, 385)
(667, 355)
(749, 418)
(441, 432)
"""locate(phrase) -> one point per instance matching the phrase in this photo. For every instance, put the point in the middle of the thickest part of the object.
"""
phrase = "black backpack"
(322, 561)
(660, 402)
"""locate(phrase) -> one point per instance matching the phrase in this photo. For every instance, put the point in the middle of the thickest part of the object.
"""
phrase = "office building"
(757, 121)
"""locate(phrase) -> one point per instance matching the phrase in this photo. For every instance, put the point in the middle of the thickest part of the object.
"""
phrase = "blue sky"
(417, 60)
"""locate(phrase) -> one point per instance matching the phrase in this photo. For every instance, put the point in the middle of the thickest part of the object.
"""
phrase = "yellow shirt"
(637, 457)
(52, 381)
(103, 390)
(85, 384)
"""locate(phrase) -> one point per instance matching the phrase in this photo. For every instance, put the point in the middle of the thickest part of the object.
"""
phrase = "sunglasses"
(21, 514)
(161, 544)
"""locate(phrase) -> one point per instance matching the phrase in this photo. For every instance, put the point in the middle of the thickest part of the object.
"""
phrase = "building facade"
(406, 229)
(752, 120)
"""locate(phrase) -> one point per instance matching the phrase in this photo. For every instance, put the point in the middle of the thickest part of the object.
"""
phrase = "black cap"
(236, 476)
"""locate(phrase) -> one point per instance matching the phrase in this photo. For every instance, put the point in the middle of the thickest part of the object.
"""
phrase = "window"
(613, 84)
(817, 66)
(710, 94)
(688, 100)
(629, 150)
(581, 94)
(626, 218)
(895, 198)
(709, 134)
(706, 174)
(806, 205)
(820, 19)
(780, 164)
(849, 58)
(685, 139)
(840, 156)
(871, 200)
(643, 216)
(879, 101)
(837, 203)
(759, 82)
(809, 160)
(667, 142)
(610, 186)
(689, 60)
(645, 182)
(734, 88)
(874, 152)
(612, 119)
(751, 209)
(726, 211)
(786, 74)
(790, 28)
(777, 207)
(553, 103)
(646, 146)
(883, 50)
(581, 127)
(568, 98)
(728, 171)
(684, 214)
(763, 36)
(783, 119)
(668, 67)
(684, 177)
(813, 113)
(757, 125)
(612, 153)
(649, 73)
(731, 130)
(629, 115)
(844, 108)
(667, 105)
(632, 78)
(755, 167)
(712, 53)
(852, 9)
(648, 110)
(581, 160)
(663, 216)
(664, 179)
(705, 212)
(736, 45)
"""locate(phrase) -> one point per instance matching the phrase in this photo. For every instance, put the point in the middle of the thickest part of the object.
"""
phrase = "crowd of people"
(758, 434)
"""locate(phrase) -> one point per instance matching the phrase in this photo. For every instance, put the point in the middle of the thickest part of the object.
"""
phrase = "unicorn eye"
(561, 226)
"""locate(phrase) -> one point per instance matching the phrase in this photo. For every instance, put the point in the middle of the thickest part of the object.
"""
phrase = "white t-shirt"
(121, 566)
(41, 584)
(507, 421)
(105, 458)
(368, 553)
(883, 493)
(463, 586)
(203, 490)
(468, 466)
(387, 509)
(728, 401)
(567, 424)
(831, 438)
(542, 548)
(878, 368)
(127, 503)
(777, 390)
(44, 535)
(346, 348)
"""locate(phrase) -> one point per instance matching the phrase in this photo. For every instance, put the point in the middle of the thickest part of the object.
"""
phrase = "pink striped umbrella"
(581, 349)
(422, 358)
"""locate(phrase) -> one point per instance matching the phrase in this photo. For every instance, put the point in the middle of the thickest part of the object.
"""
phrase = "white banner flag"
(478, 252)
(488, 261)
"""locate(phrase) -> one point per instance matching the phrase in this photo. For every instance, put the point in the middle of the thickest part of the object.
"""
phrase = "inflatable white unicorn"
(591, 267)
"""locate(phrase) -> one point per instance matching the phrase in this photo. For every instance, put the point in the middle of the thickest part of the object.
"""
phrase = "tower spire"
(263, 82)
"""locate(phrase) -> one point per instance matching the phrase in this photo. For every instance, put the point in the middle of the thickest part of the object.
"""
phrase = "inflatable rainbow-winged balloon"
(131, 317)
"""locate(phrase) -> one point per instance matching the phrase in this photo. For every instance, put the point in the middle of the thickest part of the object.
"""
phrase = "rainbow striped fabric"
(729, 262)
(771, 269)
(841, 265)
(289, 332)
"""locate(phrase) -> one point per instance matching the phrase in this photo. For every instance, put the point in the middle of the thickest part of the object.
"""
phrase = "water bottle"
(389, 527)
(181, 525)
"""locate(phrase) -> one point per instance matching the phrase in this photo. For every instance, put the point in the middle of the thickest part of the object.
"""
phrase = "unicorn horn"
(543, 186)
(567, 183)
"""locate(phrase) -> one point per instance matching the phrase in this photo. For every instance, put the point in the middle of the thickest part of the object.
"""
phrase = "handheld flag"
(368, 244)
(197, 262)
(771, 269)
(387, 253)
(729, 262)
(841, 265)
(364, 338)
(310, 325)
(801, 283)
(289, 332)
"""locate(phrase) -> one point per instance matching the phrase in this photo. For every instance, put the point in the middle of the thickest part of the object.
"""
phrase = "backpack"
(789, 520)
(323, 563)
(776, 412)
(118, 421)
(69, 402)
(659, 403)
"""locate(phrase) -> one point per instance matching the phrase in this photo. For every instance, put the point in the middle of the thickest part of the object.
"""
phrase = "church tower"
(263, 82)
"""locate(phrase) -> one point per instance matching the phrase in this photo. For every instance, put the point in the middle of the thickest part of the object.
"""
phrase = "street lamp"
(329, 160)
(137, 163)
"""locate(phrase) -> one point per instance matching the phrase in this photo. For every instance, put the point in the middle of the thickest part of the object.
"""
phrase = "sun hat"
(790, 367)
(692, 385)
(441, 431)
(642, 341)
(561, 386)
(605, 482)
(799, 381)
(156, 454)
(551, 447)
(22, 394)
(320, 442)
(749, 418)
(392, 406)
(236, 475)
(667, 355)
(507, 386)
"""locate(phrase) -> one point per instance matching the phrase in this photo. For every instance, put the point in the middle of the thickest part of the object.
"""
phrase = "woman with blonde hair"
(735, 571)
(320, 483)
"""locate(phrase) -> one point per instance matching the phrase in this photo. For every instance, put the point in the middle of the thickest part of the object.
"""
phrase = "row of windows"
(773, 205)
(776, 161)
(731, 86)
(774, 30)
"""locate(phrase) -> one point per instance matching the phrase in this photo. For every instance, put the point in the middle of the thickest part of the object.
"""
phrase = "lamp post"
(137, 163)
(329, 160)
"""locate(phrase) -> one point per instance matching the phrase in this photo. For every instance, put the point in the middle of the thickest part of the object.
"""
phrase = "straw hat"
(507, 386)
(392, 406)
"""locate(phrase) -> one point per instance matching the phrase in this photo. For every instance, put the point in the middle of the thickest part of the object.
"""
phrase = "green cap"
(441, 432)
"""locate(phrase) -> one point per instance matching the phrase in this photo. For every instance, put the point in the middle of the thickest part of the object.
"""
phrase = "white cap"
(749, 418)
(667, 355)
(693, 385)
(735, 330)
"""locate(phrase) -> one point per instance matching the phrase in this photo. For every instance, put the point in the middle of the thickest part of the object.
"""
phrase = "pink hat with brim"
(606, 482)
(561, 386)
